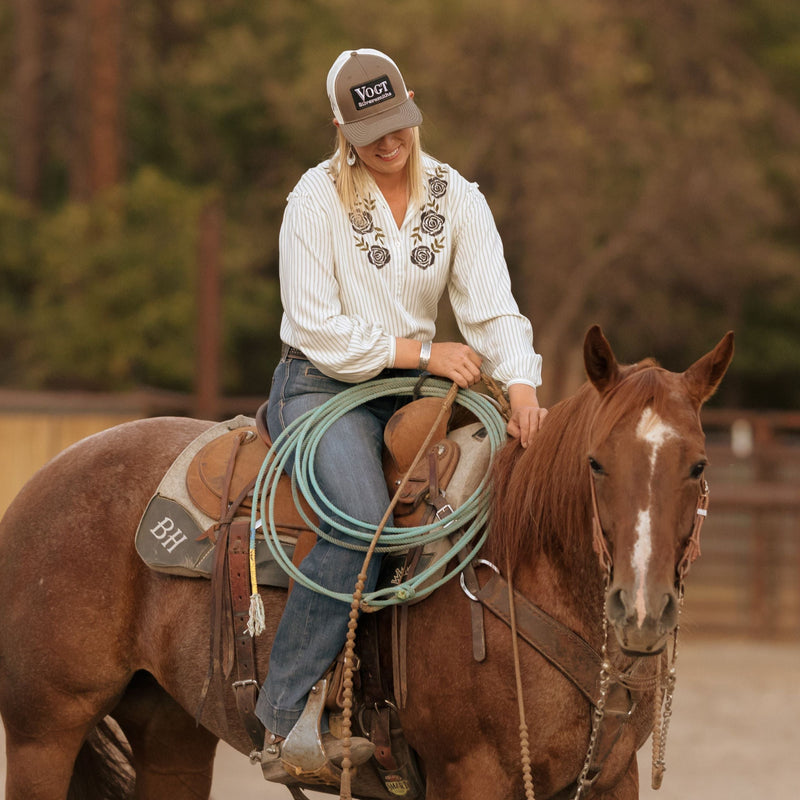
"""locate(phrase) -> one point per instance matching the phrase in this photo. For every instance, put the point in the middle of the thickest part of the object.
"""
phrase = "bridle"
(662, 708)
(691, 550)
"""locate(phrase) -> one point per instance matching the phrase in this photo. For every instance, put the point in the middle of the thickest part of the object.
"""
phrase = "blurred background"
(642, 161)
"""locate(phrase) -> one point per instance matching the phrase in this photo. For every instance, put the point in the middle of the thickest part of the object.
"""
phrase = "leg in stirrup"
(308, 755)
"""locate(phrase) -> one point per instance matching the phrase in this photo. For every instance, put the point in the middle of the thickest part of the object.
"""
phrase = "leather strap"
(570, 654)
(231, 644)
(562, 647)
(375, 692)
(470, 580)
(399, 649)
(246, 686)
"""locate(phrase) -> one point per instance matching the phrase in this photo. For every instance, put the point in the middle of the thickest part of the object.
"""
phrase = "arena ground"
(735, 733)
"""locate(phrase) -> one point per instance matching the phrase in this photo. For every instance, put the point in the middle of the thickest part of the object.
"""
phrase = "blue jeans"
(349, 470)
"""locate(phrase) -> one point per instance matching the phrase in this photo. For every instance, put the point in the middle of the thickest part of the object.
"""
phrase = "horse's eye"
(698, 469)
(596, 466)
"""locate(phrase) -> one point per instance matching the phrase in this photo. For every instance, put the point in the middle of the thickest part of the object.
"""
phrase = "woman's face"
(389, 154)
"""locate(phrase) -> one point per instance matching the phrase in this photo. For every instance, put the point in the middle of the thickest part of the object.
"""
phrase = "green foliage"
(641, 160)
(114, 304)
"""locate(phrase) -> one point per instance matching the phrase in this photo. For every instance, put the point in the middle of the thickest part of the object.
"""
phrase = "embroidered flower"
(437, 186)
(431, 223)
(422, 256)
(361, 221)
(379, 256)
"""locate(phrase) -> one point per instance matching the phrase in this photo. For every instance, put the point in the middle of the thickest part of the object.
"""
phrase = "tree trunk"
(28, 144)
(96, 130)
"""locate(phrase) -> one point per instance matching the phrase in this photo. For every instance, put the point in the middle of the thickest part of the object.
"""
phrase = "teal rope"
(302, 439)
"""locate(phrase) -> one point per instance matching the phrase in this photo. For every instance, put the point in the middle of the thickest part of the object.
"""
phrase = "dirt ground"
(735, 733)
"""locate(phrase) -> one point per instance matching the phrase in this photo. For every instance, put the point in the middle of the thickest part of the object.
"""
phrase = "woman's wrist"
(521, 395)
(408, 353)
(425, 355)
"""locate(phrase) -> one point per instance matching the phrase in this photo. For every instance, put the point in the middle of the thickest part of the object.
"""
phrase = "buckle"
(444, 511)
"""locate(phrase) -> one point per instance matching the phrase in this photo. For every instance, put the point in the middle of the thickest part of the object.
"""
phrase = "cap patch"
(369, 94)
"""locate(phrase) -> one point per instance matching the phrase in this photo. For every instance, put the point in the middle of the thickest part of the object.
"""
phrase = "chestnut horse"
(87, 631)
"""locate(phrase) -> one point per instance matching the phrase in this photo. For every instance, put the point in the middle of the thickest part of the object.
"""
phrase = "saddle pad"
(171, 534)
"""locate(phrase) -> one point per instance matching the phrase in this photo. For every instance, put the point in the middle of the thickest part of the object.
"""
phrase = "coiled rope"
(300, 441)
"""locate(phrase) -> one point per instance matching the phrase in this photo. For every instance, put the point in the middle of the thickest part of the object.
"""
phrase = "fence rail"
(748, 580)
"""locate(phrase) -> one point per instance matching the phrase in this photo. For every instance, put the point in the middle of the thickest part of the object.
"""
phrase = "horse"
(94, 643)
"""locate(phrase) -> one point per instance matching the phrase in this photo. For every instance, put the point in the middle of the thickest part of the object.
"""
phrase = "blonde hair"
(354, 182)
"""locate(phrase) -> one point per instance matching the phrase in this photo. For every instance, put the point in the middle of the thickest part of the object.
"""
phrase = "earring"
(351, 156)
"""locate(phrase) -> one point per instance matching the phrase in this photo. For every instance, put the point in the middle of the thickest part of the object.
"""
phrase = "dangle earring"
(351, 156)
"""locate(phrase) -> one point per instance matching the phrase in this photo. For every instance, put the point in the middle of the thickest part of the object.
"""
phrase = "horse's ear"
(599, 360)
(703, 377)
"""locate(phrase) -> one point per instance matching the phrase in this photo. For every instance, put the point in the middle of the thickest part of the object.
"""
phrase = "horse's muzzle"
(641, 623)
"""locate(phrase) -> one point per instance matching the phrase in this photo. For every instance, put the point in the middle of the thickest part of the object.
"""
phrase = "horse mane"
(540, 494)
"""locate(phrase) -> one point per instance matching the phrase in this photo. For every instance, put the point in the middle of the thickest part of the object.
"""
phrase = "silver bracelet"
(425, 355)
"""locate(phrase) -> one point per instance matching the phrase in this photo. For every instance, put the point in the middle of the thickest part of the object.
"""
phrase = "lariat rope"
(355, 606)
(300, 440)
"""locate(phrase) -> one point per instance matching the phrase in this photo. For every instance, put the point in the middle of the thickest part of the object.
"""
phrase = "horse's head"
(646, 460)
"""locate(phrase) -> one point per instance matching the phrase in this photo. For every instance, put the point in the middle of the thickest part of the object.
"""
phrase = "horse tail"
(103, 768)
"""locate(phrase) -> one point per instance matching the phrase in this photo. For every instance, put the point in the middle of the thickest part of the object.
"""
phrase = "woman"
(369, 242)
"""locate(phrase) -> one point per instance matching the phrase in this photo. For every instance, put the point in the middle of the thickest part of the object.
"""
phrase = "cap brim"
(373, 128)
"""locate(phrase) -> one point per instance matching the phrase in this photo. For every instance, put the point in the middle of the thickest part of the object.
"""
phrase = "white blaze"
(654, 432)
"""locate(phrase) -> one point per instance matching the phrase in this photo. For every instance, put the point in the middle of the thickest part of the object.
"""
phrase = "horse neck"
(541, 512)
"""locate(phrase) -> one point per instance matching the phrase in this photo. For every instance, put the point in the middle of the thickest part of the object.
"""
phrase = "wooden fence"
(746, 583)
(748, 580)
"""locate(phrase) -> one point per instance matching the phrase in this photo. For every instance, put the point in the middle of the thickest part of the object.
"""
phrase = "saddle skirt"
(213, 479)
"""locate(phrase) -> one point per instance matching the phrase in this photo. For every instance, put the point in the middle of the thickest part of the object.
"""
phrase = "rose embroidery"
(370, 237)
(379, 256)
(363, 224)
(422, 256)
(437, 187)
(431, 223)
(362, 221)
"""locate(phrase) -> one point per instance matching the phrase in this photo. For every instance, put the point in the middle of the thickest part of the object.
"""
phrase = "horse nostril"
(616, 609)
(669, 613)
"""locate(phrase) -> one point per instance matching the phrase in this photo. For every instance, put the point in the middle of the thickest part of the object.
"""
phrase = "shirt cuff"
(525, 381)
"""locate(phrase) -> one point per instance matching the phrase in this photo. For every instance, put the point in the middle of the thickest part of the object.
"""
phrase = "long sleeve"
(480, 293)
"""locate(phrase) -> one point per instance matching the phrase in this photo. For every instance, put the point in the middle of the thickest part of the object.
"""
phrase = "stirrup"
(302, 755)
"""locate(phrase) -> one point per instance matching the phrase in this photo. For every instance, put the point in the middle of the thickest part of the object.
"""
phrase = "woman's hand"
(453, 360)
(458, 362)
(526, 414)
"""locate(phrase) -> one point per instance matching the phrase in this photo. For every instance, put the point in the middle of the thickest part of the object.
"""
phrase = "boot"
(276, 769)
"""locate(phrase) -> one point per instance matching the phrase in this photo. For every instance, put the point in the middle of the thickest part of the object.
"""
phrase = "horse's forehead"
(656, 426)
(653, 429)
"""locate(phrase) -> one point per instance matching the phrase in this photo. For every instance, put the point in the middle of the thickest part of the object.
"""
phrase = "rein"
(345, 792)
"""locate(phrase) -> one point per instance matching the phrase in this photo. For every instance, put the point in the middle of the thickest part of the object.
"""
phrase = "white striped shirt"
(350, 285)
